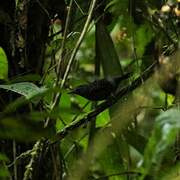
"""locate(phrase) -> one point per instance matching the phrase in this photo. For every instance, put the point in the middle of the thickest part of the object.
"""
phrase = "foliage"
(54, 46)
(3, 65)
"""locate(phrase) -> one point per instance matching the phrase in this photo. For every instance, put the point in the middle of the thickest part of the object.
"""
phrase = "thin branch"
(23, 155)
(14, 157)
(81, 111)
(37, 149)
(43, 8)
(79, 7)
(63, 42)
(74, 145)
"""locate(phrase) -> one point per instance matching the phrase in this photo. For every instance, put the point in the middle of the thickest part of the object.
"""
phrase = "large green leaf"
(3, 65)
(33, 96)
(164, 134)
(106, 51)
(26, 89)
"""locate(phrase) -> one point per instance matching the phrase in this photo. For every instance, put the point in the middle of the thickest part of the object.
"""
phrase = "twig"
(36, 152)
(21, 156)
(43, 8)
(74, 145)
(14, 157)
(63, 42)
(80, 9)
(81, 111)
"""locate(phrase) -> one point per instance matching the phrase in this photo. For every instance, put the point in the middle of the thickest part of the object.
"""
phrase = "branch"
(104, 105)
(23, 155)
(37, 149)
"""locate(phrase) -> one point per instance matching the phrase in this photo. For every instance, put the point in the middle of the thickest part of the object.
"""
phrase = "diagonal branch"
(104, 105)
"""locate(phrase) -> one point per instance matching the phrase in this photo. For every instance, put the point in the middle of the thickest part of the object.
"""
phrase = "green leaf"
(3, 157)
(164, 134)
(144, 35)
(103, 119)
(34, 98)
(24, 88)
(4, 172)
(107, 54)
(118, 7)
(23, 129)
(171, 173)
(136, 140)
(3, 65)
(106, 51)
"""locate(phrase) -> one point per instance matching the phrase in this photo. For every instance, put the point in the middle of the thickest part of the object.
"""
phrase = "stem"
(14, 157)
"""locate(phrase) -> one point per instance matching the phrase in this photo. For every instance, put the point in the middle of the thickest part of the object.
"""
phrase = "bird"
(99, 89)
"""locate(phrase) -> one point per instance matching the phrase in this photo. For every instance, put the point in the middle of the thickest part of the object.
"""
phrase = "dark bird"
(99, 89)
